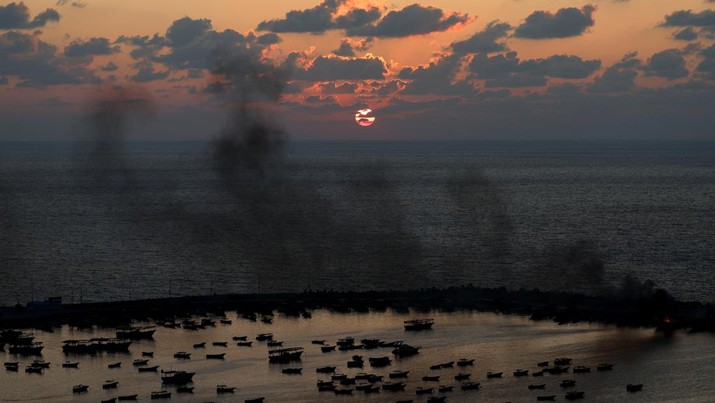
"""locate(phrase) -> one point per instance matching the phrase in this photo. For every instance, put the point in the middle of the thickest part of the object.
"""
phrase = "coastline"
(658, 311)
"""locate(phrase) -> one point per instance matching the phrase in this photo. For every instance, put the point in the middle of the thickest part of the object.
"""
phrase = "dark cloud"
(411, 20)
(668, 64)
(317, 19)
(686, 34)
(485, 41)
(91, 47)
(349, 46)
(358, 17)
(333, 88)
(145, 73)
(707, 65)
(37, 63)
(383, 89)
(109, 67)
(185, 30)
(507, 70)
(75, 4)
(329, 68)
(316, 99)
(17, 16)
(436, 78)
(687, 18)
(566, 22)
(618, 78)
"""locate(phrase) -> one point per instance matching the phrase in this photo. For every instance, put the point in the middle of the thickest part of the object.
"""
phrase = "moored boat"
(215, 356)
(110, 384)
(69, 364)
(182, 355)
(80, 388)
(161, 394)
(127, 397)
(176, 377)
(225, 389)
(283, 355)
(419, 324)
(470, 385)
(464, 362)
(491, 375)
(148, 369)
(135, 332)
(574, 395)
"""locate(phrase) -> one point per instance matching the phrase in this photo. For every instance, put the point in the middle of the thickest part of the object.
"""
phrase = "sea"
(157, 219)
(671, 369)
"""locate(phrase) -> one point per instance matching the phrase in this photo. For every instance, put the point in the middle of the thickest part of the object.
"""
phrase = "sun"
(365, 117)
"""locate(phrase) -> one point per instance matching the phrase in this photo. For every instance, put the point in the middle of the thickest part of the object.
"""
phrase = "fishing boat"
(148, 369)
(34, 348)
(423, 391)
(431, 378)
(539, 386)
(264, 336)
(80, 388)
(244, 343)
(110, 384)
(127, 397)
(34, 370)
(220, 344)
(574, 395)
(462, 376)
(463, 362)
(283, 355)
(225, 389)
(327, 349)
(521, 372)
(115, 365)
(200, 345)
(419, 324)
(215, 356)
(135, 332)
(445, 388)
(140, 361)
(470, 386)
(176, 377)
(182, 355)
(239, 338)
(325, 370)
(380, 361)
(405, 350)
(604, 367)
(398, 374)
(161, 394)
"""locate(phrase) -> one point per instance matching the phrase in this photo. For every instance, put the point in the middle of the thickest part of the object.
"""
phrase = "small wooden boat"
(325, 370)
(543, 364)
(538, 373)
(535, 386)
(321, 342)
(393, 386)
(546, 398)
(604, 367)
(634, 387)
(182, 355)
(521, 372)
(200, 345)
(327, 349)
(215, 356)
(256, 400)
(580, 369)
(338, 377)
(264, 336)
(574, 395)
(445, 388)
(80, 388)
(419, 324)
(463, 362)
(111, 400)
(285, 355)
(462, 376)
(40, 364)
(380, 361)
(225, 321)
(140, 361)
(398, 374)
(244, 343)
(348, 381)
(127, 397)
(372, 389)
(110, 384)
(34, 370)
(362, 386)
(470, 386)
(240, 338)
(274, 343)
(147, 353)
(225, 389)
(185, 389)
(220, 344)
(434, 378)
(115, 365)
(423, 391)
(562, 361)
(12, 366)
(161, 394)
(491, 375)
(68, 364)
(148, 369)
(292, 371)
(568, 383)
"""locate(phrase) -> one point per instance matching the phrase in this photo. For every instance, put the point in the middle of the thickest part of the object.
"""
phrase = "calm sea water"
(675, 369)
(156, 219)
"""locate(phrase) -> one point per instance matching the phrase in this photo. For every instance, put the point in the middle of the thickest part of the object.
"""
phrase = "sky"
(449, 69)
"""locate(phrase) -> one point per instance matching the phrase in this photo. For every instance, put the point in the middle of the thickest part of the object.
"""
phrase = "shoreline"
(658, 311)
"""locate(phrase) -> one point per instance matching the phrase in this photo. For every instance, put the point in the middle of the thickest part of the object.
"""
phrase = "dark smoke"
(485, 227)
(577, 266)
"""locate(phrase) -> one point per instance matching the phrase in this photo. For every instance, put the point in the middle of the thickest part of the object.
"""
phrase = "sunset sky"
(450, 69)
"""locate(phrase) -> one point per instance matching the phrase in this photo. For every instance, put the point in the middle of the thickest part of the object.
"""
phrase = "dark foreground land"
(658, 310)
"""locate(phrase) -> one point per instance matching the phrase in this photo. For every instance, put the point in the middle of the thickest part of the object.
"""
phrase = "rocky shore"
(658, 310)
